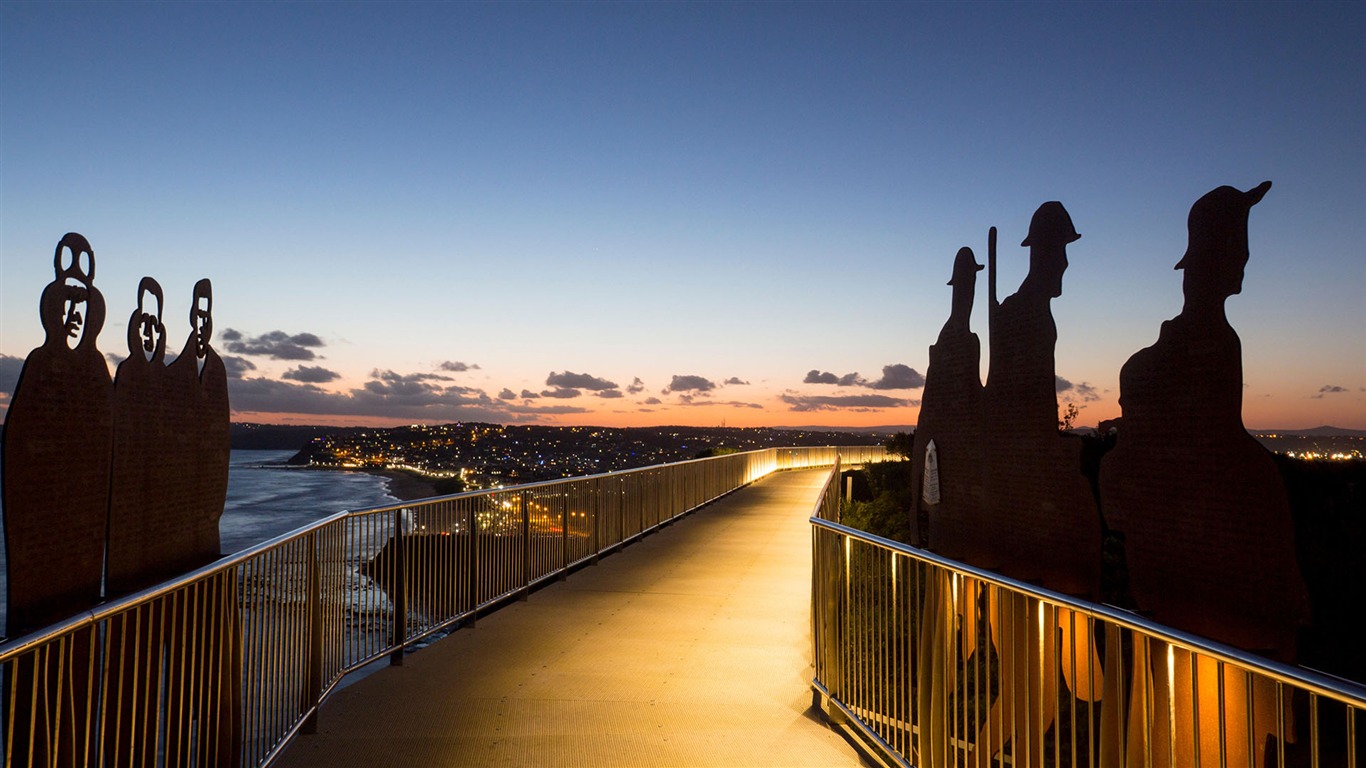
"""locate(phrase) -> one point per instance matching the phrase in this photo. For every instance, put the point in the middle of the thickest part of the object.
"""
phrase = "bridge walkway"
(691, 647)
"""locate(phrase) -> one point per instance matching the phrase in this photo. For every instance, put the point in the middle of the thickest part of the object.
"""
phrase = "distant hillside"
(1312, 441)
(1324, 431)
(884, 430)
(292, 437)
(281, 437)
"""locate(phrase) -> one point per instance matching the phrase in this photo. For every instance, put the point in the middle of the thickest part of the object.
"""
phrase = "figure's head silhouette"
(1217, 249)
(1050, 230)
(964, 282)
(201, 317)
(71, 308)
(146, 332)
(965, 268)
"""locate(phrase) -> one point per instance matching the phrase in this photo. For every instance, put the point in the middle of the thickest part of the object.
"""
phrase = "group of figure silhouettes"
(1205, 520)
(119, 483)
(111, 487)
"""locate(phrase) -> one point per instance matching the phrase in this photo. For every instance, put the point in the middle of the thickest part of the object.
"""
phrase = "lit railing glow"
(224, 665)
(930, 662)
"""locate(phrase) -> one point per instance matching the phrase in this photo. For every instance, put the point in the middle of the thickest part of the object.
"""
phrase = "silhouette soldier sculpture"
(1209, 538)
(1043, 524)
(1045, 527)
(951, 417)
(947, 487)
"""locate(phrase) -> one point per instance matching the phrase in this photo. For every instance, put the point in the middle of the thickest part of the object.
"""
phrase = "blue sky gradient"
(642, 191)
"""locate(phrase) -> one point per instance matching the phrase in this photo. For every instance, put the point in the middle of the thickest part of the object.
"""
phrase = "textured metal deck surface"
(689, 648)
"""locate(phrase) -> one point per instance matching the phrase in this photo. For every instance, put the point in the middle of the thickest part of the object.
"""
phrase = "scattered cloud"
(894, 376)
(898, 376)
(237, 367)
(1082, 391)
(310, 374)
(507, 394)
(570, 380)
(798, 402)
(529, 395)
(407, 382)
(694, 384)
(686, 400)
(412, 387)
(637, 386)
(563, 393)
(815, 376)
(456, 366)
(735, 381)
(610, 393)
(543, 410)
(653, 401)
(9, 372)
(277, 345)
(1086, 392)
(393, 396)
(1330, 389)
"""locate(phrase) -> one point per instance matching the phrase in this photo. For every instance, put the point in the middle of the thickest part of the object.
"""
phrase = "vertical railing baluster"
(525, 586)
(400, 596)
(1314, 745)
(313, 695)
(472, 563)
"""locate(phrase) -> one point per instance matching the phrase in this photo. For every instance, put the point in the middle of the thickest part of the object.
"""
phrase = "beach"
(405, 486)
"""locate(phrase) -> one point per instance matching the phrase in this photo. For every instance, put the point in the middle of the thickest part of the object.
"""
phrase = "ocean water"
(266, 499)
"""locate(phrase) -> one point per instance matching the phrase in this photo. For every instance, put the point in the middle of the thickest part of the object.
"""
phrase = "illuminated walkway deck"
(689, 648)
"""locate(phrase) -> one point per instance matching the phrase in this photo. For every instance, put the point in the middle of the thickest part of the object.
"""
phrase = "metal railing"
(224, 665)
(930, 662)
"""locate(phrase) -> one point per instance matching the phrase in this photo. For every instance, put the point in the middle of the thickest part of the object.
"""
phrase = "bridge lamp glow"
(1041, 635)
(1171, 697)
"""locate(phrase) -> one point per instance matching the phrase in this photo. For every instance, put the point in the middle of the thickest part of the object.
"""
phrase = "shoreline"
(404, 486)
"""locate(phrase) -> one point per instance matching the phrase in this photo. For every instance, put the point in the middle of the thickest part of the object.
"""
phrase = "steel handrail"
(1311, 680)
(905, 664)
(280, 624)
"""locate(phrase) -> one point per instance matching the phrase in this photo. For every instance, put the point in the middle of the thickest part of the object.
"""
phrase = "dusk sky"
(646, 214)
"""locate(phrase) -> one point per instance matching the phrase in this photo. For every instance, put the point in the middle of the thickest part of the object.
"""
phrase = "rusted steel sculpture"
(197, 414)
(1209, 536)
(110, 488)
(58, 433)
(1045, 526)
(1208, 531)
(1011, 495)
(947, 472)
(139, 515)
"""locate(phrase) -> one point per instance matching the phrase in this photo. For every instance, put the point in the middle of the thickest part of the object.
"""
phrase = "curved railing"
(224, 665)
(931, 662)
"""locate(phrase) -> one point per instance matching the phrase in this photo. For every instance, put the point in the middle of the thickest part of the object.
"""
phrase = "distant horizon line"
(1320, 430)
(886, 428)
